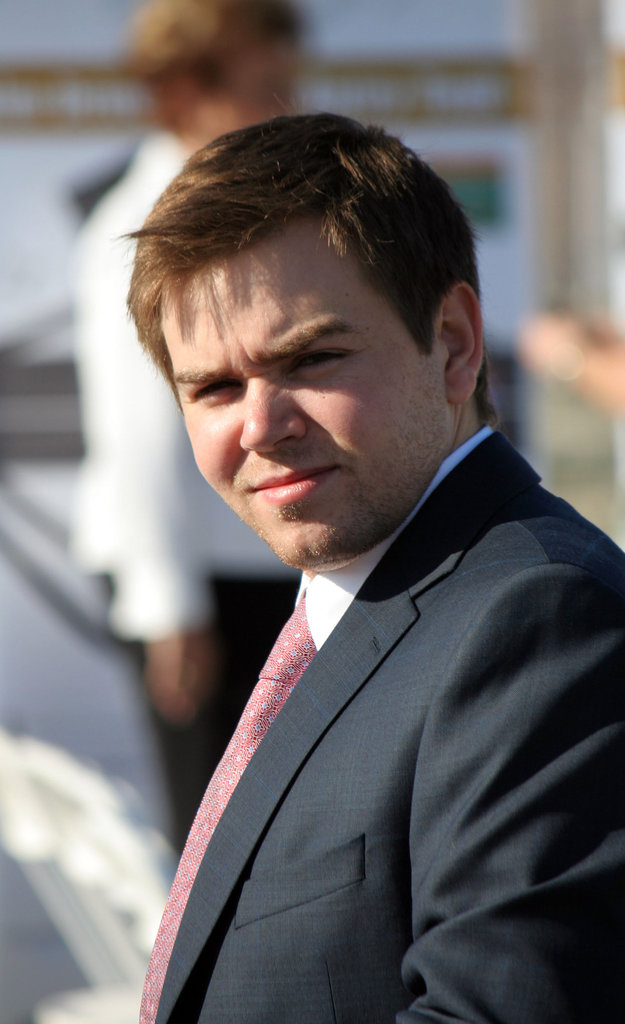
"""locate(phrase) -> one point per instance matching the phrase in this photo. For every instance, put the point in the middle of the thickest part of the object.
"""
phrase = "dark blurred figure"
(177, 559)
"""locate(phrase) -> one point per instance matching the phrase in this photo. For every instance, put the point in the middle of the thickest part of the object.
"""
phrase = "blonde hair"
(167, 37)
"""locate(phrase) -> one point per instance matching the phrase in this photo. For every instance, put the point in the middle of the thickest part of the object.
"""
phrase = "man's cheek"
(203, 460)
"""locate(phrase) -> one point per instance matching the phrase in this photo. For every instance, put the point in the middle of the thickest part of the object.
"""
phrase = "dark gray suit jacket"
(434, 827)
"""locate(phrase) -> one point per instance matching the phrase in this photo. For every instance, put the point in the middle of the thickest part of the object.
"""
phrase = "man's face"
(310, 408)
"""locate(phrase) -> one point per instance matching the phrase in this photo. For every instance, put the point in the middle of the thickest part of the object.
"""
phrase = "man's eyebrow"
(301, 338)
(193, 377)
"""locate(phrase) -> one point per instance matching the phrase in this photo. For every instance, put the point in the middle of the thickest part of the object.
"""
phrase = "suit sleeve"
(518, 814)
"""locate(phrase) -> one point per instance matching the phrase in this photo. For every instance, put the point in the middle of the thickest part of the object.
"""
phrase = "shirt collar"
(329, 594)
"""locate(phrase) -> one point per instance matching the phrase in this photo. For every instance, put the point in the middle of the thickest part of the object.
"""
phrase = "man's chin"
(322, 550)
(291, 513)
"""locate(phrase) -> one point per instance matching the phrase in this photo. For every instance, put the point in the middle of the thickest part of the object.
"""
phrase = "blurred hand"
(587, 353)
(553, 344)
(182, 672)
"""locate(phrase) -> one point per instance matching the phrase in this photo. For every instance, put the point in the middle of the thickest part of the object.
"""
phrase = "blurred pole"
(574, 440)
(570, 103)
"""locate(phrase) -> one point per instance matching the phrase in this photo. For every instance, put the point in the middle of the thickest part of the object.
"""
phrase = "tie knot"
(293, 650)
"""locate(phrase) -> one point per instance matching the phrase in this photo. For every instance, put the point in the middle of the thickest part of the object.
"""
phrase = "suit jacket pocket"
(290, 886)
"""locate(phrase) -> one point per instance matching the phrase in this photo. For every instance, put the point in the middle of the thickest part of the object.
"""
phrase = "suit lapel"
(373, 624)
(361, 640)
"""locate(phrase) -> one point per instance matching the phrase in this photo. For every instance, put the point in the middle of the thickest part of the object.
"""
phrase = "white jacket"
(144, 515)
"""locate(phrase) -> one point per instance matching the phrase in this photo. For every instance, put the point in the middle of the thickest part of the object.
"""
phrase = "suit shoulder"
(541, 528)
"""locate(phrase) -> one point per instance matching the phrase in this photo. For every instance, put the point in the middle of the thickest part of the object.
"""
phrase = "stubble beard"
(365, 517)
(337, 544)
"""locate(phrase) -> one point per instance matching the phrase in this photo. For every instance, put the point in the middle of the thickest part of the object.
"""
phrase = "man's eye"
(212, 390)
(316, 358)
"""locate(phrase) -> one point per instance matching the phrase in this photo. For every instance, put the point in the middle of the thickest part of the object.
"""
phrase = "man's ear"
(458, 329)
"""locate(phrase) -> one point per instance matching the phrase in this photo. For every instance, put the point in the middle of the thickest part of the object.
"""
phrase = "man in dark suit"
(432, 826)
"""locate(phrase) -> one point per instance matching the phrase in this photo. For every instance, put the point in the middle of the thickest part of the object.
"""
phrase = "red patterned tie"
(290, 657)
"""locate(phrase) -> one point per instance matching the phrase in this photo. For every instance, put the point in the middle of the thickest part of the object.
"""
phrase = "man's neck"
(329, 593)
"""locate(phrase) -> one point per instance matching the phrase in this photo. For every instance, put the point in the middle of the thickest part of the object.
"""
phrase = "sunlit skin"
(310, 407)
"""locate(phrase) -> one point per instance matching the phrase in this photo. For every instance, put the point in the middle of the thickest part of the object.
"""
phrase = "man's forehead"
(231, 284)
(207, 294)
(288, 278)
(204, 320)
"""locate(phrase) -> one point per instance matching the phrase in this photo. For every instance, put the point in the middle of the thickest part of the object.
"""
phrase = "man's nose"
(271, 417)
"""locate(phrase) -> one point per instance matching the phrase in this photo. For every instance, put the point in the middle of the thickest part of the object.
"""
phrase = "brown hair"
(373, 196)
(170, 37)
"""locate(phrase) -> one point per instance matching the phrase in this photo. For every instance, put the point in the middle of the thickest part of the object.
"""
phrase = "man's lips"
(289, 487)
(286, 479)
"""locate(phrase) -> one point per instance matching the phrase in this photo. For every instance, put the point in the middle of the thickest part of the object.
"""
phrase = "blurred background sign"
(76, 97)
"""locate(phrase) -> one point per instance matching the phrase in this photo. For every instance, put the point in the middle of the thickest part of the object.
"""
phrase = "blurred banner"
(89, 98)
